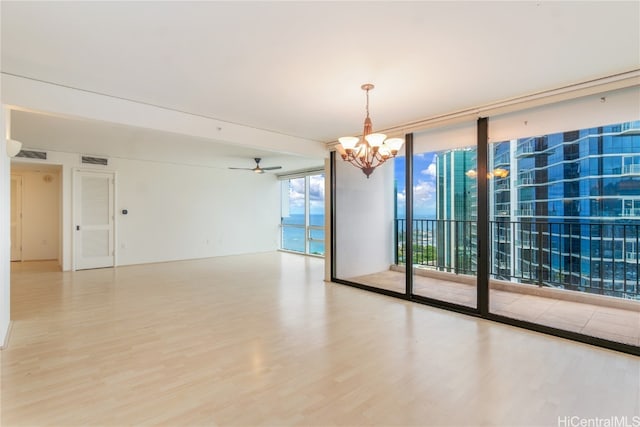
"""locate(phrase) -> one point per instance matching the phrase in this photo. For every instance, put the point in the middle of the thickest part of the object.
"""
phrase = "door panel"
(94, 219)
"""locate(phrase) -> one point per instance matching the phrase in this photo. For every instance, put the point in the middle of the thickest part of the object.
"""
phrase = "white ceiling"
(296, 67)
(95, 138)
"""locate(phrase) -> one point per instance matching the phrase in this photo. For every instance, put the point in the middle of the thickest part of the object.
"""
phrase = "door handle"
(77, 228)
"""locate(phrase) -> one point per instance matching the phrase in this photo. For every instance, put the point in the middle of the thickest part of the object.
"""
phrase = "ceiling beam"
(20, 93)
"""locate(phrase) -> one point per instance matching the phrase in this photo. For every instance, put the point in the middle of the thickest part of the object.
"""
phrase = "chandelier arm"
(354, 160)
(379, 157)
(361, 162)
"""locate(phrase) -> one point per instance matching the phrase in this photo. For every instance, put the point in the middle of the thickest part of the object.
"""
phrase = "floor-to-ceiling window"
(565, 228)
(551, 200)
(445, 214)
(302, 214)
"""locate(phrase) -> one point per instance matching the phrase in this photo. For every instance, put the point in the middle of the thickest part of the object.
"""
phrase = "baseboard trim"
(5, 344)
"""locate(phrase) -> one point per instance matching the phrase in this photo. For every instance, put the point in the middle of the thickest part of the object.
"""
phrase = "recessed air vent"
(30, 154)
(89, 160)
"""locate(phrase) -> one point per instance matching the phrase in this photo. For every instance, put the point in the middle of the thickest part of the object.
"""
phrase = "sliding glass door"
(564, 229)
(444, 216)
(302, 214)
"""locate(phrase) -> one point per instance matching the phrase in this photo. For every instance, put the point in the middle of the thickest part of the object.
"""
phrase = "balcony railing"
(631, 169)
(594, 257)
(526, 148)
(459, 258)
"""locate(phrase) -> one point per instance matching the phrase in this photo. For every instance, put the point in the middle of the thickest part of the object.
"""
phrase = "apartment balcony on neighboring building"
(526, 148)
(502, 184)
(631, 169)
(502, 159)
(525, 179)
(630, 128)
(524, 212)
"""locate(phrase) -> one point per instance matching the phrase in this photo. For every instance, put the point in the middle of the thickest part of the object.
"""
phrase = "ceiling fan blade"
(258, 169)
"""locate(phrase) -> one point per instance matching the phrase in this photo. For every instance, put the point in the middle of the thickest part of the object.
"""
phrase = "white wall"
(364, 220)
(40, 215)
(180, 212)
(5, 231)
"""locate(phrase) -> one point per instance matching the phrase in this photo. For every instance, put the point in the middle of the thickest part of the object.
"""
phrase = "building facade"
(568, 214)
(456, 211)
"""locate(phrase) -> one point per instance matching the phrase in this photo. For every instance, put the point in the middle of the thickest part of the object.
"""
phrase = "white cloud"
(296, 193)
(424, 191)
(316, 188)
(431, 169)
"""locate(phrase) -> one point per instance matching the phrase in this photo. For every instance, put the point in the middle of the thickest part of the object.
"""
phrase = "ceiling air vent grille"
(89, 160)
(30, 154)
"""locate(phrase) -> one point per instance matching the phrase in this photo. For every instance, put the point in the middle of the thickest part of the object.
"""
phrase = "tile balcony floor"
(615, 324)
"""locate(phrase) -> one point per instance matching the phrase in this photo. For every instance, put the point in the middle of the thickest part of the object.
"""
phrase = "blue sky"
(424, 185)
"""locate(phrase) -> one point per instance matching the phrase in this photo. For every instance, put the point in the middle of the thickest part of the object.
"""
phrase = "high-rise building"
(568, 214)
(456, 210)
(564, 210)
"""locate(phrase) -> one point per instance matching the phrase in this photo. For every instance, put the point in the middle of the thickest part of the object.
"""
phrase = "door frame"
(75, 200)
(20, 180)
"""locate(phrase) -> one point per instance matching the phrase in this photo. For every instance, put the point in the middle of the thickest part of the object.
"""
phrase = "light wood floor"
(615, 324)
(261, 340)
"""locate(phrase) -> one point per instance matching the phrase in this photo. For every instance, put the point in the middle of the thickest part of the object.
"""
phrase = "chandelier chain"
(367, 108)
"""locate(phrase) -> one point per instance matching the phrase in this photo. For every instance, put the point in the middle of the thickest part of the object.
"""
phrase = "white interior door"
(93, 219)
(16, 218)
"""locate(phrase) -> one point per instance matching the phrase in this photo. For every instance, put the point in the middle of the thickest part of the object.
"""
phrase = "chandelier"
(373, 150)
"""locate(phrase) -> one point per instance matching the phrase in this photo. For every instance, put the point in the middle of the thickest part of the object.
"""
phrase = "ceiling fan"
(258, 169)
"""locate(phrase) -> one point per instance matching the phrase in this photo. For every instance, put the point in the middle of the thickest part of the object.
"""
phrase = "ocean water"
(294, 238)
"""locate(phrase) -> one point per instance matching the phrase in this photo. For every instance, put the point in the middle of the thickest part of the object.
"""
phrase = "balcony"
(502, 184)
(525, 180)
(593, 315)
(556, 251)
(633, 169)
(526, 149)
(524, 212)
(631, 212)
(503, 159)
(555, 282)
